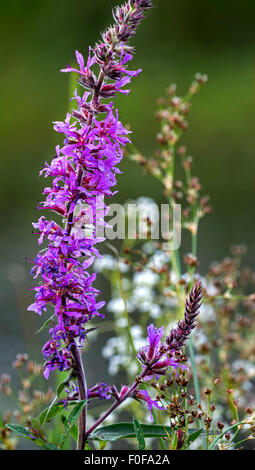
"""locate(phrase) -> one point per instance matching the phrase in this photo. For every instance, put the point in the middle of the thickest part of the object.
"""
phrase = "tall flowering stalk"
(83, 172)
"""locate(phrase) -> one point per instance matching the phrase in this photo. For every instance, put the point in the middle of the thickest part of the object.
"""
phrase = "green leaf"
(48, 414)
(26, 434)
(90, 330)
(231, 428)
(100, 445)
(174, 441)
(194, 435)
(73, 430)
(54, 407)
(139, 434)
(72, 418)
(87, 446)
(126, 430)
(21, 430)
(61, 386)
(117, 431)
(45, 324)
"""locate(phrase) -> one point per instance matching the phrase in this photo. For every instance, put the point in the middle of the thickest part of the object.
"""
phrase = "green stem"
(224, 432)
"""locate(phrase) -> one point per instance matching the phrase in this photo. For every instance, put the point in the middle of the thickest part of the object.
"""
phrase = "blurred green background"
(177, 40)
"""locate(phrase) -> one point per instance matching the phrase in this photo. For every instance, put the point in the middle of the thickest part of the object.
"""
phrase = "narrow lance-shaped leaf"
(26, 434)
(54, 407)
(20, 430)
(117, 431)
(46, 323)
(73, 429)
(72, 418)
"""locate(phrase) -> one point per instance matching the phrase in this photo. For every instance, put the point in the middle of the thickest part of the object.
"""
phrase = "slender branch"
(115, 405)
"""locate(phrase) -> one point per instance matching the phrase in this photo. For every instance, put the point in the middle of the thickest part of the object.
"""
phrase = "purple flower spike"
(179, 335)
(157, 357)
(83, 172)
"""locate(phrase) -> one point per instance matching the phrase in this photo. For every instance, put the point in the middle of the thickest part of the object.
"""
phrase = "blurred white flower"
(244, 366)
(116, 306)
(106, 262)
(115, 344)
(207, 313)
(211, 289)
(114, 364)
(146, 278)
(136, 331)
(199, 338)
(155, 311)
(158, 260)
(144, 306)
(148, 248)
(123, 267)
(141, 293)
(121, 322)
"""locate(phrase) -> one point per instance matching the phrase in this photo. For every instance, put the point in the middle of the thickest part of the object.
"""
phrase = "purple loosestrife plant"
(84, 171)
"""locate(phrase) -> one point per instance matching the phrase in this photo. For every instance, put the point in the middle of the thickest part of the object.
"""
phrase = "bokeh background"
(177, 40)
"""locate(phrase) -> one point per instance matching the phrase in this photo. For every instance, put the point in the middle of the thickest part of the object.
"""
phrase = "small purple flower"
(151, 352)
(143, 395)
(80, 61)
(101, 391)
